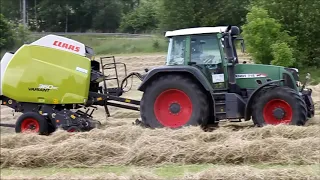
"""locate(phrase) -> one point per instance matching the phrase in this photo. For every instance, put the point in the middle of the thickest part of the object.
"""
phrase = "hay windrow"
(133, 145)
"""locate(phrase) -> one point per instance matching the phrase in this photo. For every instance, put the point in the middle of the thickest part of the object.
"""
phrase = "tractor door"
(177, 51)
(206, 52)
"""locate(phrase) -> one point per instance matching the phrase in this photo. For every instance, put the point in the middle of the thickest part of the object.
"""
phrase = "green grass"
(315, 75)
(163, 171)
(110, 45)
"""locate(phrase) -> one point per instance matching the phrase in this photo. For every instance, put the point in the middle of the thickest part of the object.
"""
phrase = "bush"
(140, 20)
(265, 40)
(13, 35)
(21, 35)
(282, 54)
(7, 34)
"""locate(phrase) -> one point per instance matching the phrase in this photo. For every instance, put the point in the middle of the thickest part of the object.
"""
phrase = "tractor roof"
(198, 30)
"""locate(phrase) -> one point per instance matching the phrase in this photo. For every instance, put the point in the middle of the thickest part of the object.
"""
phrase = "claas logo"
(66, 46)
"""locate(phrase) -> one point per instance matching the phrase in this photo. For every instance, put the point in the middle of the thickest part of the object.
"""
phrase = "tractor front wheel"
(32, 122)
(279, 105)
(174, 101)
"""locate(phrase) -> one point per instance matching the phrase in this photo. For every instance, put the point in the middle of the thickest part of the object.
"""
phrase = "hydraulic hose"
(125, 80)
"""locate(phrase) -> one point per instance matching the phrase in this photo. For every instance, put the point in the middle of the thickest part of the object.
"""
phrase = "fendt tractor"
(52, 80)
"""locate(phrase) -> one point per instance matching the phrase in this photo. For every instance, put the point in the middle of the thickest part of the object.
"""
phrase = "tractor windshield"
(205, 49)
(176, 50)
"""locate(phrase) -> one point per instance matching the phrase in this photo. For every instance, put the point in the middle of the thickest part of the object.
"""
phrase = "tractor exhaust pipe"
(232, 57)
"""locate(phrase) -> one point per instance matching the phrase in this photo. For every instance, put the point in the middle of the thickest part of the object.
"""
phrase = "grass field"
(120, 44)
(204, 171)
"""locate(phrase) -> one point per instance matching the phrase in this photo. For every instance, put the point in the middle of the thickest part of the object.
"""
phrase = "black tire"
(285, 97)
(32, 118)
(184, 87)
(51, 128)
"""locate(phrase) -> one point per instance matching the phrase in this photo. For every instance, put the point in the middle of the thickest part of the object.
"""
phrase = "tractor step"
(227, 106)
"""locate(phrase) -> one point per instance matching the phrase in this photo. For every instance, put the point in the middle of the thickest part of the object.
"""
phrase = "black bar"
(125, 100)
(106, 110)
(111, 79)
(123, 106)
(8, 125)
(108, 68)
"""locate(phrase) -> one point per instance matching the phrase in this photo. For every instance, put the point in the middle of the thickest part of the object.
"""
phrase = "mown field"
(120, 150)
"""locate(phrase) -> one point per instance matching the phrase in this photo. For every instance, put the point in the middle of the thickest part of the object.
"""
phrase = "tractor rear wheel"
(174, 101)
(279, 105)
(32, 122)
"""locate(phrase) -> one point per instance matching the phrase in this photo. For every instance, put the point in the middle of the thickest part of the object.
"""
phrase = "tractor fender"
(253, 95)
(195, 72)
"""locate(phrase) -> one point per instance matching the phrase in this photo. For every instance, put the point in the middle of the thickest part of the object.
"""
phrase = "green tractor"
(52, 80)
(203, 83)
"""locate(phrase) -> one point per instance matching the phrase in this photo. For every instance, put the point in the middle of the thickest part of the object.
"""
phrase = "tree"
(264, 37)
(176, 14)
(302, 20)
(7, 35)
(143, 18)
(11, 9)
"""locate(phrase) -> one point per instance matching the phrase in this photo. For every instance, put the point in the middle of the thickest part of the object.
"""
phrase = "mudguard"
(195, 72)
(248, 112)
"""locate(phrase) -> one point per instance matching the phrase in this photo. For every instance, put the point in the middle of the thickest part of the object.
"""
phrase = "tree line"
(281, 32)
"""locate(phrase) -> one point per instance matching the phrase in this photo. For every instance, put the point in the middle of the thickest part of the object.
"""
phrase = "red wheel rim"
(271, 106)
(173, 108)
(30, 125)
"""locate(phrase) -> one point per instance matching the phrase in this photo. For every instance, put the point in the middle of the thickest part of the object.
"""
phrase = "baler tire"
(34, 118)
(51, 128)
(283, 97)
(193, 101)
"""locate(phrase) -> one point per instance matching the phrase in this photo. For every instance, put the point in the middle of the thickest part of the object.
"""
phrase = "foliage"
(12, 35)
(265, 40)
(143, 18)
(282, 54)
(7, 34)
(302, 20)
(178, 14)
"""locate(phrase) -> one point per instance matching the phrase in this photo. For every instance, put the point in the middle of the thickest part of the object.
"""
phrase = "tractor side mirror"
(235, 31)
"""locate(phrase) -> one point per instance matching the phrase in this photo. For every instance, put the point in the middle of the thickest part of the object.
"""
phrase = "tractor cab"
(195, 45)
(212, 48)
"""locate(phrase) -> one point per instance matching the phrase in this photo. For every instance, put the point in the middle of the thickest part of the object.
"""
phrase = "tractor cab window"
(205, 49)
(176, 50)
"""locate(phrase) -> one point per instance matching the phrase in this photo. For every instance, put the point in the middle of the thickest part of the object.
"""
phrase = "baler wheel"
(174, 101)
(73, 129)
(279, 105)
(31, 122)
